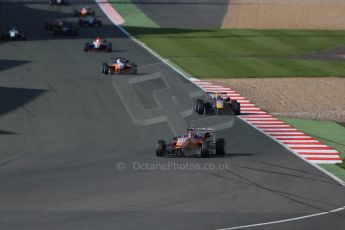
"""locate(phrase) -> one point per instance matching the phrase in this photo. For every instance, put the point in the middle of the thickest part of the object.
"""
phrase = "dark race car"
(58, 2)
(218, 104)
(66, 30)
(13, 35)
(52, 24)
(98, 45)
(199, 142)
(84, 11)
(90, 22)
(119, 65)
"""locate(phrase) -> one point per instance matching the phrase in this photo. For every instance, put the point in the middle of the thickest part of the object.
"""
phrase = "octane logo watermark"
(171, 166)
(172, 102)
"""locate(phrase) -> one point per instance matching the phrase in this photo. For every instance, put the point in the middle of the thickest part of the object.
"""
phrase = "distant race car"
(84, 11)
(58, 2)
(66, 30)
(198, 142)
(90, 21)
(52, 24)
(119, 65)
(98, 45)
(13, 35)
(218, 104)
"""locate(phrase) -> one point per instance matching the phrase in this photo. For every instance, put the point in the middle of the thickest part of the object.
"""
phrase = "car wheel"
(110, 47)
(160, 148)
(220, 146)
(105, 68)
(205, 149)
(199, 106)
(207, 107)
(236, 108)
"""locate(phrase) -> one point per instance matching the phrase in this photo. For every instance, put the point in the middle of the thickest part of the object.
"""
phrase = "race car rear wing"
(214, 94)
(202, 129)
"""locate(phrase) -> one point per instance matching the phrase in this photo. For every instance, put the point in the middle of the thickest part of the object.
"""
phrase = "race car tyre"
(86, 47)
(220, 146)
(205, 149)
(105, 68)
(199, 106)
(236, 108)
(160, 148)
(109, 47)
(207, 108)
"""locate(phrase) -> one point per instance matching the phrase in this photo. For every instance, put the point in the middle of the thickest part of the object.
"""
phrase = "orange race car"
(199, 142)
(119, 65)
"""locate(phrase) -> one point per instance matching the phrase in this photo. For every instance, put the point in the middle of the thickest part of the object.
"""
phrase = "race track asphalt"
(66, 132)
(185, 13)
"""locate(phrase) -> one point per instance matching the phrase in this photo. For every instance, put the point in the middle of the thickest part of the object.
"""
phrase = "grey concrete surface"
(67, 131)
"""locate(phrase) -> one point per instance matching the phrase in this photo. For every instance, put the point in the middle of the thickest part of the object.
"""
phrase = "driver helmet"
(191, 133)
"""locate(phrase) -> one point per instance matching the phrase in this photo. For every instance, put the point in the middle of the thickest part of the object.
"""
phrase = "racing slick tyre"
(199, 106)
(207, 108)
(220, 146)
(105, 68)
(86, 47)
(205, 149)
(109, 47)
(160, 148)
(236, 107)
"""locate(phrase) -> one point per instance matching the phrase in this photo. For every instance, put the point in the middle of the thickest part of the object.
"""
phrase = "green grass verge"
(245, 53)
(329, 133)
(224, 53)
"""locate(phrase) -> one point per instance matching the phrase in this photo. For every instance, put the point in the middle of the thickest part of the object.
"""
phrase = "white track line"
(286, 220)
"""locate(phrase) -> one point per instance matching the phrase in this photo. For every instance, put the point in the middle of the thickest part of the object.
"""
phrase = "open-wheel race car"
(68, 29)
(198, 142)
(13, 35)
(52, 24)
(58, 2)
(84, 11)
(219, 104)
(89, 21)
(98, 45)
(119, 65)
